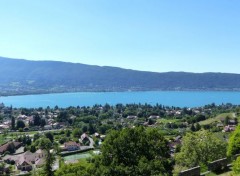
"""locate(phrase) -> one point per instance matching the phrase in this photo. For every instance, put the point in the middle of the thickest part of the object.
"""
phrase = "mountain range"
(18, 76)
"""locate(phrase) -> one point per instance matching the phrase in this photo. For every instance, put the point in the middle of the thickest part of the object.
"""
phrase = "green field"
(165, 120)
(217, 118)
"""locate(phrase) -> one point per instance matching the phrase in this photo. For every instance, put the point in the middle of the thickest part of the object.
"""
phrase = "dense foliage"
(234, 143)
(199, 148)
(136, 151)
(75, 169)
(236, 166)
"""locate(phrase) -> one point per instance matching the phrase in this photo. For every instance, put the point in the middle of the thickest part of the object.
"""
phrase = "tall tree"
(50, 136)
(199, 148)
(20, 124)
(36, 119)
(46, 144)
(236, 166)
(132, 152)
(13, 122)
(234, 143)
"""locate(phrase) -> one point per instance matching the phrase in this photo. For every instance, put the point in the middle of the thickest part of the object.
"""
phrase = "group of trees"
(234, 148)
(199, 148)
(202, 147)
(144, 151)
(129, 152)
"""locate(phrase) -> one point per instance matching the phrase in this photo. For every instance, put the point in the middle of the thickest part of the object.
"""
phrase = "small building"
(56, 125)
(84, 136)
(4, 127)
(97, 135)
(27, 160)
(71, 146)
(39, 162)
(13, 146)
(40, 153)
(47, 127)
(23, 165)
(220, 125)
(84, 139)
(131, 117)
(229, 128)
(232, 122)
(154, 117)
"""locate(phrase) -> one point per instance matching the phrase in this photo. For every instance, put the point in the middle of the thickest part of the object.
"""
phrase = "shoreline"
(120, 91)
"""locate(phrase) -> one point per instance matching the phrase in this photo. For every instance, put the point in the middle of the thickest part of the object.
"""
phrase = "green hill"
(27, 77)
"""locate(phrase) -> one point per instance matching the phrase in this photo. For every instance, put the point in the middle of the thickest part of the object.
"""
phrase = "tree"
(84, 129)
(193, 128)
(75, 169)
(226, 120)
(67, 133)
(46, 144)
(11, 148)
(76, 133)
(36, 119)
(20, 124)
(236, 166)
(50, 136)
(42, 122)
(199, 148)
(234, 143)
(13, 122)
(91, 128)
(198, 127)
(63, 116)
(36, 136)
(130, 152)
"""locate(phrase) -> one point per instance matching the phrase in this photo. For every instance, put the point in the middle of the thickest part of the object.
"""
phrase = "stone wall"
(218, 164)
(191, 172)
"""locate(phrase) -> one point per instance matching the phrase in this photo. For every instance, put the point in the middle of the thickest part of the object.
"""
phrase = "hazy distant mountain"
(27, 77)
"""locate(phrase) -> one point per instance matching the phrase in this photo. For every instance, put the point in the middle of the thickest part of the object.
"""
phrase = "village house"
(27, 160)
(84, 139)
(48, 127)
(56, 125)
(153, 117)
(173, 144)
(131, 117)
(229, 128)
(23, 165)
(22, 117)
(232, 122)
(97, 135)
(10, 146)
(3, 127)
(220, 125)
(71, 146)
(178, 113)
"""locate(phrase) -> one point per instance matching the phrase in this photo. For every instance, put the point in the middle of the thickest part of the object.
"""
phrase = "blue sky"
(152, 35)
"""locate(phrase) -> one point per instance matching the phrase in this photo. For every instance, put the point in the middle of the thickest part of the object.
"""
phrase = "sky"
(149, 35)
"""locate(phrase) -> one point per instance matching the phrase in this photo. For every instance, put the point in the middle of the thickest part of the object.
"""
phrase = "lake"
(170, 98)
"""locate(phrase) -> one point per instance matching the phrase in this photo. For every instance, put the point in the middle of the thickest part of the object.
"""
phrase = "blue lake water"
(170, 98)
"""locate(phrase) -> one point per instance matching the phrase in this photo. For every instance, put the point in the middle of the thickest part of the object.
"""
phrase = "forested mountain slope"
(26, 77)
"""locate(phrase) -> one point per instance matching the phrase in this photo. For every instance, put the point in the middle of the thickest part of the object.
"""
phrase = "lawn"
(217, 118)
(165, 120)
(3, 139)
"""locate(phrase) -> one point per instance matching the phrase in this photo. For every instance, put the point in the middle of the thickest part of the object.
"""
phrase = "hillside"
(27, 77)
